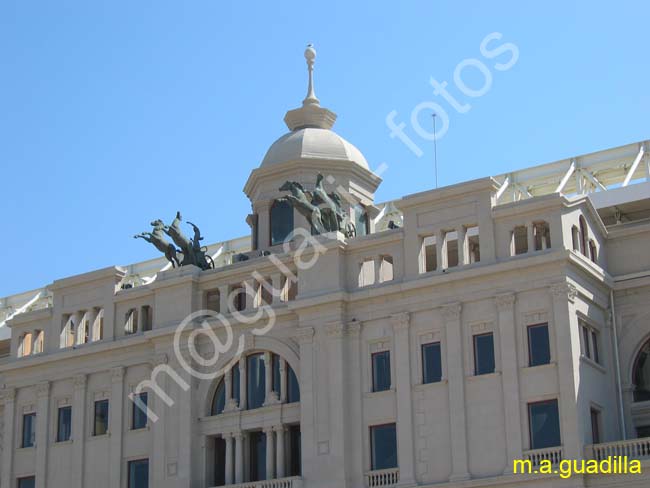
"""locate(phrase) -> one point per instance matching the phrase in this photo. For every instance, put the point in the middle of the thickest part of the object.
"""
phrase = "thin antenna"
(435, 149)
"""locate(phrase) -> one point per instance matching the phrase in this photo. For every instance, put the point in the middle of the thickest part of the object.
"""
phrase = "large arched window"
(283, 386)
(584, 235)
(641, 374)
(281, 216)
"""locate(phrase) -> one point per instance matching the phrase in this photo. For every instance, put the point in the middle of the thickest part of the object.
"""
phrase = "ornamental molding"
(451, 311)
(79, 381)
(564, 290)
(159, 360)
(335, 330)
(304, 335)
(505, 301)
(8, 395)
(117, 374)
(43, 389)
(400, 320)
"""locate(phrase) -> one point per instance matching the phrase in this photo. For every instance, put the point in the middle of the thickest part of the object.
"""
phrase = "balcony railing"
(552, 454)
(382, 477)
(292, 482)
(633, 449)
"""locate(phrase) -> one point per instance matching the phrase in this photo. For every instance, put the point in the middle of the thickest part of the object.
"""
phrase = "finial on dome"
(311, 114)
(310, 56)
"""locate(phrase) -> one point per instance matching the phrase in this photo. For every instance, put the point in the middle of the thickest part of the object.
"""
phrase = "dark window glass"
(484, 354)
(139, 473)
(642, 431)
(594, 344)
(431, 363)
(27, 482)
(539, 350)
(29, 430)
(544, 424)
(219, 461)
(295, 456)
(139, 420)
(219, 399)
(101, 417)
(586, 341)
(64, 424)
(281, 221)
(383, 442)
(641, 375)
(236, 392)
(381, 371)
(255, 371)
(257, 444)
(595, 426)
(293, 390)
(275, 360)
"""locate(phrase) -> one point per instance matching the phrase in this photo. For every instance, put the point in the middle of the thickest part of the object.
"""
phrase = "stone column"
(158, 408)
(283, 380)
(305, 337)
(440, 241)
(115, 412)
(42, 427)
(376, 262)
(402, 382)
(223, 299)
(456, 376)
(280, 448)
(239, 457)
(270, 453)
(78, 430)
(92, 317)
(276, 282)
(250, 286)
(8, 447)
(338, 420)
(243, 402)
(463, 253)
(565, 322)
(505, 304)
(228, 438)
(227, 381)
(530, 237)
(268, 378)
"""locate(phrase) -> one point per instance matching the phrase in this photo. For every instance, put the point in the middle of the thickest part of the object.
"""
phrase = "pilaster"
(115, 413)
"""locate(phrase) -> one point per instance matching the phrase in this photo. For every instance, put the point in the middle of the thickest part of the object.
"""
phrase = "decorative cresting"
(192, 251)
(311, 114)
(324, 211)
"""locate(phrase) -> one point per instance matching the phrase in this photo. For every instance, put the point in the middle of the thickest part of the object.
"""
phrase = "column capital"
(117, 374)
(304, 335)
(335, 330)
(451, 311)
(159, 360)
(505, 301)
(400, 321)
(564, 290)
(268, 429)
(79, 381)
(280, 428)
(8, 395)
(43, 389)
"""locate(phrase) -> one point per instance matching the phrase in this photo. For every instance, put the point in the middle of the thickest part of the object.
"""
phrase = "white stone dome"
(312, 143)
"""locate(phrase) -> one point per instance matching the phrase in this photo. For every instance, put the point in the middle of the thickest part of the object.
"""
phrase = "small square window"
(64, 424)
(100, 426)
(539, 350)
(383, 445)
(139, 420)
(484, 354)
(431, 363)
(138, 473)
(544, 424)
(381, 371)
(27, 482)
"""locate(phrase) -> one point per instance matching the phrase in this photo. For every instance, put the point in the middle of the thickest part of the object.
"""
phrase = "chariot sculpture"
(323, 211)
(190, 249)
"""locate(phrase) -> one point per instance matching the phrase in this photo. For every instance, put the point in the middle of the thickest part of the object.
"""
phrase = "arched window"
(593, 251)
(641, 374)
(575, 238)
(281, 216)
(361, 220)
(283, 382)
(584, 235)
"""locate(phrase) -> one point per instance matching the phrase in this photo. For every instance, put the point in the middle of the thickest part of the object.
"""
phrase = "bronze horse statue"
(298, 199)
(157, 238)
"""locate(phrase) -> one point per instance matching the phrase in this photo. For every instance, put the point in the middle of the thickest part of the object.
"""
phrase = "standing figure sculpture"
(157, 238)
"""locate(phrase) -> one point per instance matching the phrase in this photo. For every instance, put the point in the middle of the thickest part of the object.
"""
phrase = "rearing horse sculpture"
(174, 231)
(328, 207)
(300, 202)
(157, 238)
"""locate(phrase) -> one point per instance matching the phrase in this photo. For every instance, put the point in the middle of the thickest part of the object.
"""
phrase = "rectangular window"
(256, 380)
(594, 345)
(431, 363)
(585, 341)
(64, 424)
(219, 461)
(27, 482)
(293, 390)
(451, 241)
(519, 240)
(295, 457)
(539, 349)
(29, 430)
(147, 317)
(483, 354)
(429, 254)
(257, 456)
(595, 426)
(544, 424)
(383, 446)
(138, 473)
(139, 418)
(100, 426)
(381, 371)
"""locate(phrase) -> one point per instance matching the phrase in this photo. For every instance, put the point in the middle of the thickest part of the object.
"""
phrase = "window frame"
(373, 460)
(136, 411)
(423, 347)
(530, 349)
(133, 462)
(58, 437)
(529, 407)
(373, 386)
(475, 337)
(31, 442)
(94, 417)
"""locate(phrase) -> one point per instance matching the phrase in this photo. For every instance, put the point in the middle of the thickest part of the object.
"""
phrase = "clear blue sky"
(114, 113)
